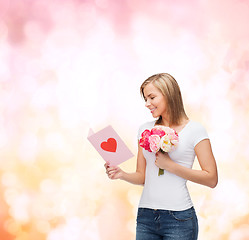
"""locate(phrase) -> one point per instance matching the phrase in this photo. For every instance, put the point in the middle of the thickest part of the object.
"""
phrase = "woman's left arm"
(207, 176)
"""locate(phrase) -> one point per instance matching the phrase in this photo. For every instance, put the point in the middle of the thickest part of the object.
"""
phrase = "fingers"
(156, 162)
(159, 153)
(107, 164)
(112, 174)
(111, 170)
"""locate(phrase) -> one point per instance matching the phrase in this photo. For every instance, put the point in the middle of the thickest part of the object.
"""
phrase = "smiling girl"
(166, 211)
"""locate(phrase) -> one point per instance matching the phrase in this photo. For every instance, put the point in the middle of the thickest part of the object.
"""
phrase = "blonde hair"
(171, 91)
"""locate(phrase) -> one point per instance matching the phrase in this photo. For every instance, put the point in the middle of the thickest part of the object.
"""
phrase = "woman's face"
(155, 101)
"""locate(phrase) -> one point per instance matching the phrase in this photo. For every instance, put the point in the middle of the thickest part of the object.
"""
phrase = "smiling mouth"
(152, 110)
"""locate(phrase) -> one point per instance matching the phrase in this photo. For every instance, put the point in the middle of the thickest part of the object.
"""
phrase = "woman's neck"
(166, 122)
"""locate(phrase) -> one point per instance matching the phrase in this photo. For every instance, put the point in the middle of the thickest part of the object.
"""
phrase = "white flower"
(165, 143)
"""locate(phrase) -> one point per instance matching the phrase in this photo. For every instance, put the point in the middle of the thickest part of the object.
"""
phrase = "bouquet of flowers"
(159, 138)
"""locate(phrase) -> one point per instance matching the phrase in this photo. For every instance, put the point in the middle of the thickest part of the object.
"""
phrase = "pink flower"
(168, 130)
(174, 139)
(158, 130)
(159, 138)
(154, 143)
(144, 140)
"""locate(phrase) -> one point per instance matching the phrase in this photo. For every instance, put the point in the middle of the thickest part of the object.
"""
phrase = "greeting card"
(110, 146)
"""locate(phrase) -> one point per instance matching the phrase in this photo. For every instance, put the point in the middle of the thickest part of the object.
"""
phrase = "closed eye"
(150, 98)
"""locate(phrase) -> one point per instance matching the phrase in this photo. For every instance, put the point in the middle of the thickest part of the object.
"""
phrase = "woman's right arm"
(137, 177)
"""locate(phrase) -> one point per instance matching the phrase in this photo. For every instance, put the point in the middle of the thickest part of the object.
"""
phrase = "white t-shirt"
(168, 191)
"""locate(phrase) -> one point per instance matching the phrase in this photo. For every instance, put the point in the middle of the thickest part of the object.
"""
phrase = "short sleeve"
(200, 134)
(140, 130)
(139, 133)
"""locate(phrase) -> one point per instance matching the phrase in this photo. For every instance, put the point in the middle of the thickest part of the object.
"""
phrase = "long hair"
(171, 91)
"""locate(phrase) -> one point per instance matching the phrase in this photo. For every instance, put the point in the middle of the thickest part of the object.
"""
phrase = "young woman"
(165, 210)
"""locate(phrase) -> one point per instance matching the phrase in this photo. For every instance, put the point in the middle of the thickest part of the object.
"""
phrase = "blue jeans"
(166, 225)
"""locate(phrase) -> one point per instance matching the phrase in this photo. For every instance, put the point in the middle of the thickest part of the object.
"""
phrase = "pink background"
(66, 66)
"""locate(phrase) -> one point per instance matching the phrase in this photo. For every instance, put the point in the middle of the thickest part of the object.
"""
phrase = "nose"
(147, 103)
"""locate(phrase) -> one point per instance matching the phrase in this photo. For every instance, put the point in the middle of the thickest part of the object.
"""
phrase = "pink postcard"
(110, 146)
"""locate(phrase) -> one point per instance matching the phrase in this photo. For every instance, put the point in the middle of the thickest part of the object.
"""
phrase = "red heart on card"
(110, 145)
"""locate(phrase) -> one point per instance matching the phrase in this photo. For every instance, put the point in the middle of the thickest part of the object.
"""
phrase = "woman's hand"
(113, 172)
(163, 161)
(208, 174)
(138, 177)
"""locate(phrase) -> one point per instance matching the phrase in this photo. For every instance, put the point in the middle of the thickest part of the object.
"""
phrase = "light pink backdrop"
(66, 66)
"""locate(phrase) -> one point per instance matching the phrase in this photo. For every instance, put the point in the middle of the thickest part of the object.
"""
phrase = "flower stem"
(160, 172)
